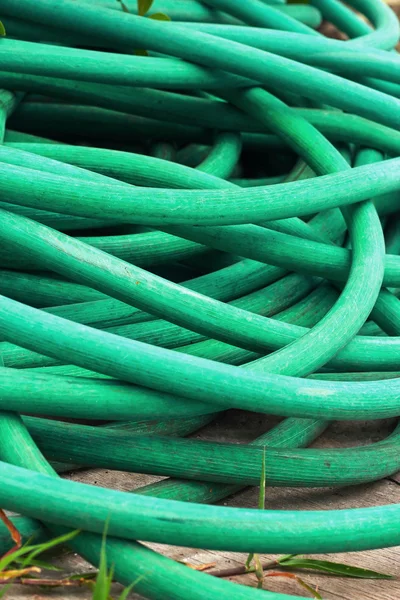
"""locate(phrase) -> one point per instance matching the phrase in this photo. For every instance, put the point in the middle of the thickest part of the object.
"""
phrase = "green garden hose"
(210, 226)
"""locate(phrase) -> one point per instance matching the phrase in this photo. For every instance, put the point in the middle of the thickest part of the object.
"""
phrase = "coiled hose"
(215, 239)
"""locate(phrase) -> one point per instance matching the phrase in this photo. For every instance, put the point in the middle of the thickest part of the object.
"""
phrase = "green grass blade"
(159, 17)
(83, 576)
(40, 548)
(37, 563)
(310, 589)
(5, 590)
(101, 588)
(104, 579)
(10, 558)
(333, 568)
(249, 560)
(261, 505)
(144, 6)
(125, 593)
(123, 6)
(259, 571)
(261, 498)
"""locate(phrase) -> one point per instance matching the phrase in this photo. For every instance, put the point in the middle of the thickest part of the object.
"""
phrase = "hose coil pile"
(213, 225)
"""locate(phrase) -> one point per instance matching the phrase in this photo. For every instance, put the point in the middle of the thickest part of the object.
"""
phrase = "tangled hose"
(211, 226)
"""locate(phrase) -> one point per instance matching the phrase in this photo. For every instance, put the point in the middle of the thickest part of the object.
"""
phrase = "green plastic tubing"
(158, 580)
(161, 207)
(175, 308)
(193, 10)
(229, 463)
(205, 49)
(255, 12)
(87, 120)
(288, 432)
(99, 67)
(210, 226)
(76, 504)
(339, 311)
(185, 109)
